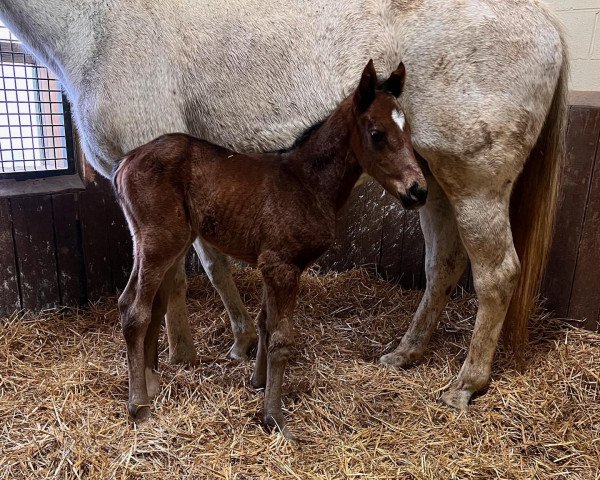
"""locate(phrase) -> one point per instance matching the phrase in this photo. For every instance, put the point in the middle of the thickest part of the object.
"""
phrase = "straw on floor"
(63, 387)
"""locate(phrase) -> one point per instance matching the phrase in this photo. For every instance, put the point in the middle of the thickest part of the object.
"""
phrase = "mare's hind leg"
(445, 260)
(179, 334)
(482, 215)
(216, 266)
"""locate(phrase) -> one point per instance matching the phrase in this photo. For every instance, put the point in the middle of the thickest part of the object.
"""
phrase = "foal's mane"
(305, 135)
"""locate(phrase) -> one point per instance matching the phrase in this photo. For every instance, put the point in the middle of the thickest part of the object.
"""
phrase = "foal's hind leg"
(159, 308)
(445, 260)
(136, 316)
(216, 266)
(150, 346)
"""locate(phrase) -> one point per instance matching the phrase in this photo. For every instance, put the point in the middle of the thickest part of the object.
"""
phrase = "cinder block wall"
(582, 21)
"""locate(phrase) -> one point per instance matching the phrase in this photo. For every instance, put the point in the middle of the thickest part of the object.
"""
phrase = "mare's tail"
(533, 209)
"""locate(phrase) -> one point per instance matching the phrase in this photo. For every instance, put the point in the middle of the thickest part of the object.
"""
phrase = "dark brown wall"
(66, 249)
(572, 283)
(63, 249)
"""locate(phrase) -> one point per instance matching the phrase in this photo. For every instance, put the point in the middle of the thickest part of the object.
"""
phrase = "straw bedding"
(63, 388)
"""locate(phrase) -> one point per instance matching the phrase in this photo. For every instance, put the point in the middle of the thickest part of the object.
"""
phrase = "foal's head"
(381, 142)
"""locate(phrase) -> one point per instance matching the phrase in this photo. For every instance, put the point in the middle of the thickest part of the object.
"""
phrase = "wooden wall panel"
(35, 251)
(71, 248)
(582, 139)
(413, 252)
(585, 292)
(95, 221)
(10, 298)
(358, 231)
(403, 247)
(392, 238)
(120, 243)
(69, 254)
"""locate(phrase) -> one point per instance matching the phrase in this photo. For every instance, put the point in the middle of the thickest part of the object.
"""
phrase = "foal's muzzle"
(414, 197)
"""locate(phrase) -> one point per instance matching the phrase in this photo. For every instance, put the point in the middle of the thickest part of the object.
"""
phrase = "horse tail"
(119, 167)
(534, 207)
(116, 175)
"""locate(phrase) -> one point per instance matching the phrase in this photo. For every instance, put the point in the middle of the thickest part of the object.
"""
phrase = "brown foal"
(275, 210)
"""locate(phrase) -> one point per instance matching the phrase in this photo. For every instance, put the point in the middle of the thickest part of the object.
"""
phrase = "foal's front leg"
(281, 289)
(259, 377)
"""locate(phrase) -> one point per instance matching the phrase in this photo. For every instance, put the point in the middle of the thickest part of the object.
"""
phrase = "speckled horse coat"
(485, 95)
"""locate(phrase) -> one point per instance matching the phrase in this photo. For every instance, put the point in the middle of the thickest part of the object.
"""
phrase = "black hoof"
(139, 413)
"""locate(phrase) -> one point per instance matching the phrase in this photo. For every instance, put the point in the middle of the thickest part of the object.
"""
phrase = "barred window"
(35, 129)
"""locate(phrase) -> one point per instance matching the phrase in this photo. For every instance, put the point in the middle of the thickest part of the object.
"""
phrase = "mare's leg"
(259, 377)
(181, 343)
(445, 261)
(216, 266)
(159, 308)
(484, 225)
(281, 289)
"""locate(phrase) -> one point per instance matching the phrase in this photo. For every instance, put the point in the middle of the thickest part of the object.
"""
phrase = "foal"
(275, 210)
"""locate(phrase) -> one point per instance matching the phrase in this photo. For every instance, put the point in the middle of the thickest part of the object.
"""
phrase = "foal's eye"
(376, 136)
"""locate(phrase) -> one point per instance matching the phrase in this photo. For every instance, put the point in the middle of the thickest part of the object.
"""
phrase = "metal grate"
(35, 129)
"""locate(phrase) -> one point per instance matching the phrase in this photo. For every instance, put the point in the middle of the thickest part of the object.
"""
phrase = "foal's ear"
(395, 83)
(365, 93)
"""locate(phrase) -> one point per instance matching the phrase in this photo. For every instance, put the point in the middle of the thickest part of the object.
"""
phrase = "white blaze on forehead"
(398, 117)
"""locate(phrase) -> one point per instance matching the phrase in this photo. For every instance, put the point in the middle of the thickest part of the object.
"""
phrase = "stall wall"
(581, 19)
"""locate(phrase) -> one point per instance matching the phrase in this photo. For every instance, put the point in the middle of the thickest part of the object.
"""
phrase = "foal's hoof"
(152, 383)
(456, 398)
(138, 413)
(240, 351)
(398, 359)
(277, 424)
(258, 382)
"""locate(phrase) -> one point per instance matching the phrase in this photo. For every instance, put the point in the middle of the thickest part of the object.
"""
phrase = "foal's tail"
(534, 207)
(117, 170)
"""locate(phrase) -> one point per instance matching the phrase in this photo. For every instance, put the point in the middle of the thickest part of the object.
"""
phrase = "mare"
(486, 99)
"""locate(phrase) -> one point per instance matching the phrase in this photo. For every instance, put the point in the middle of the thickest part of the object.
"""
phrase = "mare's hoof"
(397, 359)
(182, 355)
(240, 351)
(138, 413)
(456, 398)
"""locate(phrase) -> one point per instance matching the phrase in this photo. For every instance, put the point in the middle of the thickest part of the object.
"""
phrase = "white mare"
(485, 92)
